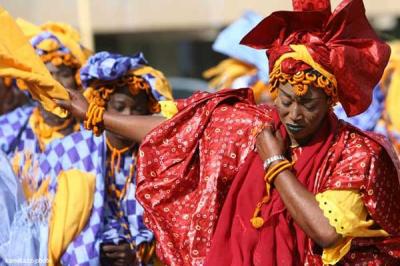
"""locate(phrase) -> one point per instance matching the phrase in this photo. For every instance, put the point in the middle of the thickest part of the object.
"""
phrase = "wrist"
(273, 160)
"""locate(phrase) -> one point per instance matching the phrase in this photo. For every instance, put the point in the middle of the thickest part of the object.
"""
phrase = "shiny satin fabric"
(343, 42)
(187, 165)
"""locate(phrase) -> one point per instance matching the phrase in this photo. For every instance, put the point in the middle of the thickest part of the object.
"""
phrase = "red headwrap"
(343, 43)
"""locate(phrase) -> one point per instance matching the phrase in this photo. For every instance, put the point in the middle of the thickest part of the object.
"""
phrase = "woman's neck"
(117, 141)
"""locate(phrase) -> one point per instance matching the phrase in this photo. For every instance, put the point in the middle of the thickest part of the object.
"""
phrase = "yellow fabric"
(226, 72)
(66, 34)
(168, 108)
(346, 212)
(161, 85)
(46, 133)
(393, 90)
(18, 60)
(301, 53)
(72, 205)
(39, 126)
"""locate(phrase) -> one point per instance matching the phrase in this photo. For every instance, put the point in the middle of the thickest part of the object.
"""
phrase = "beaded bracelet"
(257, 221)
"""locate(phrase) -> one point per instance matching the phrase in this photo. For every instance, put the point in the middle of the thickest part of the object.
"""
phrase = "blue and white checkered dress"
(18, 140)
(83, 151)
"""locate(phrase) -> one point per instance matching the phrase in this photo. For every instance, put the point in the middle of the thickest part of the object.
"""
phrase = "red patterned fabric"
(187, 165)
(311, 5)
(280, 241)
(343, 43)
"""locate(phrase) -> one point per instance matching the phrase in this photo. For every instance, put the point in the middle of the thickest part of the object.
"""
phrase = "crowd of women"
(293, 160)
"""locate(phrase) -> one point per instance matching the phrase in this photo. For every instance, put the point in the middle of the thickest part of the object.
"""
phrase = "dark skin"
(66, 76)
(123, 106)
(117, 255)
(11, 98)
(123, 103)
(308, 111)
(113, 122)
(304, 113)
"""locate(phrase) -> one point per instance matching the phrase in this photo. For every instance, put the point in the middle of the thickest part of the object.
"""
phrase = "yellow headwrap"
(301, 80)
(66, 34)
(18, 60)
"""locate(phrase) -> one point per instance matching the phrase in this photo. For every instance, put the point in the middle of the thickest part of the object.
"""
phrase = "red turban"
(342, 42)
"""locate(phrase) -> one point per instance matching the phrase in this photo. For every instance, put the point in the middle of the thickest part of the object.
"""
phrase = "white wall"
(143, 15)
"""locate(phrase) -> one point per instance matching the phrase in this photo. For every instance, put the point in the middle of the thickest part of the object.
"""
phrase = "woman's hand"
(77, 105)
(270, 143)
(119, 255)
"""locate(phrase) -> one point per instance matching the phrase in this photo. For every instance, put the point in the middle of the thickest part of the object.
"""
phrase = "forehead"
(123, 93)
(54, 69)
(312, 93)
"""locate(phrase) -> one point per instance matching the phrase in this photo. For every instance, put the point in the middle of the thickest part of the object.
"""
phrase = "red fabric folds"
(280, 241)
(344, 43)
(311, 5)
(186, 167)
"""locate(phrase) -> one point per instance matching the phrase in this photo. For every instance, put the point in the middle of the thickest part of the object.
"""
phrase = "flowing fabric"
(18, 60)
(342, 42)
(367, 120)
(24, 225)
(187, 165)
(236, 242)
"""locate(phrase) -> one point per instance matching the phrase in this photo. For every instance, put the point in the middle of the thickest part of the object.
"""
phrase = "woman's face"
(123, 102)
(63, 74)
(301, 115)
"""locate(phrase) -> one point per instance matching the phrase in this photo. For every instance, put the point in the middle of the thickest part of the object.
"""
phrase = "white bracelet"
(267, 163)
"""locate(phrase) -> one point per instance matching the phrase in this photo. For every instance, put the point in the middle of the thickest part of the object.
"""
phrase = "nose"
(295, 113)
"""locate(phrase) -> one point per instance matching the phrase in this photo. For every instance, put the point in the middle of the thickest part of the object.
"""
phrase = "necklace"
(117, 195)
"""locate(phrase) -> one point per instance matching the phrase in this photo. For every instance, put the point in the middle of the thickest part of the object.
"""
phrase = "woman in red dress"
(226, 182)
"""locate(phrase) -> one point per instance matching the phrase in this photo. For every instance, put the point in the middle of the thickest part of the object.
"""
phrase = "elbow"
(328, 238)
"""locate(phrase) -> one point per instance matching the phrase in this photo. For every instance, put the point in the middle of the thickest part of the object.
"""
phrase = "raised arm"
(134, 127)
(300, 203)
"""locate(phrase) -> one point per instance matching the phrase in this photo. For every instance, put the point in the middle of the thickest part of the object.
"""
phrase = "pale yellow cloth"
(66, 34)
(72, 206)
(18, 60)
(392, 73)
(161, 85)
(346, 212)
(226, 72)
(223, 76)
(168, 108)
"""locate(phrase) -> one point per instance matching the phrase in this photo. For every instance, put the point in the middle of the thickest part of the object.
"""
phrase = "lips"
(294, 128)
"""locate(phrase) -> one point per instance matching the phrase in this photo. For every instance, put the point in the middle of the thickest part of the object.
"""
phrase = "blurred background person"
(245, 67)
(25, 132)
(115, 233)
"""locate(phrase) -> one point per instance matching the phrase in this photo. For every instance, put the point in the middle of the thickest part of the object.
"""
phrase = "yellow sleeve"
(71, 210)
(346, 212)
(168, 108)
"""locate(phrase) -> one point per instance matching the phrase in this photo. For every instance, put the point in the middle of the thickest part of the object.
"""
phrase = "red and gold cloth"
(342, 42)
(199, 179)
(187, 165)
